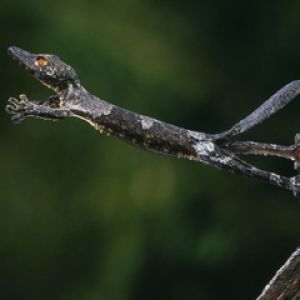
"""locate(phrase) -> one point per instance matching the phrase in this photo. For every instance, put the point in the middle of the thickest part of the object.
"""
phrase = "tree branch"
(285, 285)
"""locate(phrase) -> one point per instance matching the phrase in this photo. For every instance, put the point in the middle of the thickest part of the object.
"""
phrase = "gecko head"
(47, 68)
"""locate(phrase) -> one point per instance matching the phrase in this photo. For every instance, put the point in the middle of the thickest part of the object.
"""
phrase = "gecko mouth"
(17, 54)
(21, 57)
(24, 67)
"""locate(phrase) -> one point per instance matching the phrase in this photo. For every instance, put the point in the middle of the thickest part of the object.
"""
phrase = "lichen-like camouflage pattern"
(71, 99)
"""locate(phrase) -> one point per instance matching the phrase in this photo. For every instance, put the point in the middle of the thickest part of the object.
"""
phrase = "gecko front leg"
(53, 101)
(21, 108)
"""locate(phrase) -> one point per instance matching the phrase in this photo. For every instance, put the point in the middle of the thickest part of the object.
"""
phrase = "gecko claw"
(19, 108)
(17, 118)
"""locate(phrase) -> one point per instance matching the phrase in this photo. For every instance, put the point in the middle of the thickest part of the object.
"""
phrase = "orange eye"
(41, 62)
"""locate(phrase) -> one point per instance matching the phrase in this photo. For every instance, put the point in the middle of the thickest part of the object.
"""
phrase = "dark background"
(85, 216)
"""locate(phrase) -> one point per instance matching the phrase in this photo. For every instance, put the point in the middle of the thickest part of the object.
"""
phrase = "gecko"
(221, 150)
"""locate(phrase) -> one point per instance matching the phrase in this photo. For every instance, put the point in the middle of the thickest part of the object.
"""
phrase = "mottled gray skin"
(71, 99)
(266, 110)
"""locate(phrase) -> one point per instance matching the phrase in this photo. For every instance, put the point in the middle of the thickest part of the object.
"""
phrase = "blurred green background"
(85, 216)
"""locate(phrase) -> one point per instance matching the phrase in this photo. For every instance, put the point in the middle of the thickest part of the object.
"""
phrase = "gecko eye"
(41, 62)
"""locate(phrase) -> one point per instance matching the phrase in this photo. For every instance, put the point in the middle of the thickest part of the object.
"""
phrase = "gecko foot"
(19, 108)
